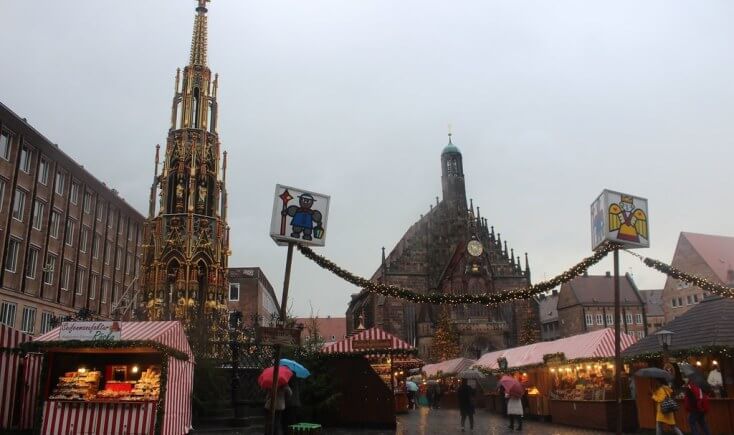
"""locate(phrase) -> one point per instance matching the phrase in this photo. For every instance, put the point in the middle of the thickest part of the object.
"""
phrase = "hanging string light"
(450, 298)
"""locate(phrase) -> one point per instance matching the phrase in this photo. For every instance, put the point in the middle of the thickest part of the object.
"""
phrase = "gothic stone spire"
(198, 38)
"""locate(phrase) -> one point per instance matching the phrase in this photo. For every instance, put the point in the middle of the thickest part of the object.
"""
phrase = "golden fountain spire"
(198, 39)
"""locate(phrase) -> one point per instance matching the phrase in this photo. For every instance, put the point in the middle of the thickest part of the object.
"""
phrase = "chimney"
(555, 292)
(608, 274)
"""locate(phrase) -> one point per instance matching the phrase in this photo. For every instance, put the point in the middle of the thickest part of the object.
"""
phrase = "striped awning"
(448, 367)
(595, 344)
(12, 338)
(170, 334)
(10, 366)
(373, 340)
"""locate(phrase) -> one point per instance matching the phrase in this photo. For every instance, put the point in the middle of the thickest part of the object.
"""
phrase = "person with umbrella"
(293, 401)
(696, 399)
(465, 394)
(266, 381)
(513, 393)
(411, 387)
(664, 416)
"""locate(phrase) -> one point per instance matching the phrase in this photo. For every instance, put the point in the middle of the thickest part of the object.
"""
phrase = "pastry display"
(77, 386)
(85, 386)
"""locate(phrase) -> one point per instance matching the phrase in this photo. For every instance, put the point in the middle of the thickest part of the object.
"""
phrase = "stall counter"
(594, 414)
(98, 416)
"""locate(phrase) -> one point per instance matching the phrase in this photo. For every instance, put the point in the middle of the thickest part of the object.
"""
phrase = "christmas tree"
(445, 343)
(530, 329)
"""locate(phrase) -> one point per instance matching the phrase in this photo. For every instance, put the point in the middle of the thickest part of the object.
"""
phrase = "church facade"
(451, 250)
(186, 237)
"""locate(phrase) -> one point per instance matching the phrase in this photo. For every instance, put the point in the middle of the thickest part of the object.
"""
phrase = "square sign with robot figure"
(619, 218)
(299, 216)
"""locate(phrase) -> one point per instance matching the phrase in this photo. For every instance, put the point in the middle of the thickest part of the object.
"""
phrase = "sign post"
(621, 219)
(299, 217)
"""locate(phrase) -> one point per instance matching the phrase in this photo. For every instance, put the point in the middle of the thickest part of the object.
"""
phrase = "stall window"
(7, 314)
(589, 320)
(28, 322)
(46, 321)
(638, 319)
(599, 319)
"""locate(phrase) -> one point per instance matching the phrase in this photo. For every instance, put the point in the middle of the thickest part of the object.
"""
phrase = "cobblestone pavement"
(447, 421)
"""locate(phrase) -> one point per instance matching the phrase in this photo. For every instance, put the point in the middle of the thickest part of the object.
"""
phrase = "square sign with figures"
(620, 218)
(299, 216)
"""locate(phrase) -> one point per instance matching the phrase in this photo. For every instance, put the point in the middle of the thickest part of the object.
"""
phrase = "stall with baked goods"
(115, 378)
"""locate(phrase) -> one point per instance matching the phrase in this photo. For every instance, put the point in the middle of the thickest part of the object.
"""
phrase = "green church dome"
(450, 148)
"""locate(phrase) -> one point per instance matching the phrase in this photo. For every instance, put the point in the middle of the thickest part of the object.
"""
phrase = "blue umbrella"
(297, 369)
(411, 386)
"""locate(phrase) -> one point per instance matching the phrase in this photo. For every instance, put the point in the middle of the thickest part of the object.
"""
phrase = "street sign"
(371, 344)
(279, 336)
(619, 218)
(299, 216)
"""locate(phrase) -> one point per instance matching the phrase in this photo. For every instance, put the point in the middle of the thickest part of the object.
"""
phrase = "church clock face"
(474, 248)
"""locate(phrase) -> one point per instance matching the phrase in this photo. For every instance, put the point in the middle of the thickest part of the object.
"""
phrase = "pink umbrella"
(512, 386)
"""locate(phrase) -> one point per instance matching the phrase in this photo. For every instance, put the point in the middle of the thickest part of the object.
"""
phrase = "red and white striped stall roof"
(375, 333)
(168, 333)
(452, 366)
(595, 344)
(10, 366)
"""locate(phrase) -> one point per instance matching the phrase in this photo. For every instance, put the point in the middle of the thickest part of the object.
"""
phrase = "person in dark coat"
(465, 394)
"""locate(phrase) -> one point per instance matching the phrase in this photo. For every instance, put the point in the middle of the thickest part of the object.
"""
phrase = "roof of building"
(653, 302)
(716, 251)
(548, 307)
(710, 323)
(330, 328)
(450, 147)
(599, 290)
(369, 340)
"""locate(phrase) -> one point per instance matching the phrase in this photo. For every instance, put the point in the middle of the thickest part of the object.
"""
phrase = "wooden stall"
(447, 374)
(704, 338)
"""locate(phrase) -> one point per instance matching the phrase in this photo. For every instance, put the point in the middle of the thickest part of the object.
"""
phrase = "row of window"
(28, 318)
(600, 320)
(690, 300)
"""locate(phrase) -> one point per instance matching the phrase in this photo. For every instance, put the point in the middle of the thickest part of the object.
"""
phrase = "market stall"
(567, 378)
(12, 366)
(390, 357)
(704, 338)
(446, 373)
(116, 378)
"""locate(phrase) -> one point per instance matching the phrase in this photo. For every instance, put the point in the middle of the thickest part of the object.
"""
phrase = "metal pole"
(617, 346)
(283, 310)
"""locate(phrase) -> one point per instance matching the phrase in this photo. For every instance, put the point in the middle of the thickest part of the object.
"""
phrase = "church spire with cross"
(185, 255)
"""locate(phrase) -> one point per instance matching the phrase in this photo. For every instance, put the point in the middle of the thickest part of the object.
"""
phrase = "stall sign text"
(87, 331)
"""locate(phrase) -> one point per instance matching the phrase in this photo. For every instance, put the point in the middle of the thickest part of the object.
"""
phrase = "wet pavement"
(447, 421)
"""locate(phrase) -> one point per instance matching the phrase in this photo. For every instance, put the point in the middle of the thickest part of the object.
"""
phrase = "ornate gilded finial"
(198, 39)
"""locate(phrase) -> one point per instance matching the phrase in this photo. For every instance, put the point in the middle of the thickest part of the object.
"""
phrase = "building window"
(59, 188)
(610, 319)
(54, 228)
(19, 205)
(115, 292)
(105, 289)
(629, 318)
(43, 171)
(695, 298)
(129, 264)
(599, 319)
(11, 255)
(7, 314)
(5, 139)
(25, 159)
(74, 192)
(130, 232)
(118, 259)
(638, 319)
(48, 270)
(39, 209)
(66, 276)
(111, 220)
(93, 278)
(46, 321)
(83, 236)
(672, 303)
(234, 291)
(31, 264)
(28, 322)
(80, 275)
(87, 202)
(689, 300)
(95, 245)
(589, 320)
(108, 252)
(2, 193)
(69, 232)
(100, 210)
(680, 302)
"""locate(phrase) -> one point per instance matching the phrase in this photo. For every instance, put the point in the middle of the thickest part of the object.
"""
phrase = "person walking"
(282, 394)
(697, 405)
(661, 393)
(465, 395)
(514, 411)
(292, 411)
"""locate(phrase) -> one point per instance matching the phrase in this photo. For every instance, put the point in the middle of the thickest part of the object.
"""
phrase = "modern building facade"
(586, 304)
(705, 255)
(450, 250)
(186, 248)
(68, 241)
(252, 295)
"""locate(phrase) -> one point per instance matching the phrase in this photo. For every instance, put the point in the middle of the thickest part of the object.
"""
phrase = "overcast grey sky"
(550, 102)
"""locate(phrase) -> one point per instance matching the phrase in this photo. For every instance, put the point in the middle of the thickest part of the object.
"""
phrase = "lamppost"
(665, 338)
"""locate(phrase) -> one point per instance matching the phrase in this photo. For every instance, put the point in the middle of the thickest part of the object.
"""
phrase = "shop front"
(569, 381)
(447, 381)
(115, 378)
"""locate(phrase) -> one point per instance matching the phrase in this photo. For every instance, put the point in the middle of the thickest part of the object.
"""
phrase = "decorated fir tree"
(445, 343)
(530, 329)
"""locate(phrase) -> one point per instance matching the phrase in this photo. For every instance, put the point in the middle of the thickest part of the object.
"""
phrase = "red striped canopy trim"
(10, 368)
(168, 333)
(375, 333)
(595, 344)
